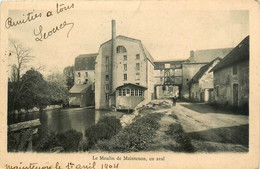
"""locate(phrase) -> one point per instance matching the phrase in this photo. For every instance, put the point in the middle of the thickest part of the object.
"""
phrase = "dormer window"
(120, 49)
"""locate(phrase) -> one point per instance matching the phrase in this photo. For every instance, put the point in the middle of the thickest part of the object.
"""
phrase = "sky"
(167, 34)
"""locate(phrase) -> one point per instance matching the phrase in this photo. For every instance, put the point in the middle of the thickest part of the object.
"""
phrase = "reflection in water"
(61, 120)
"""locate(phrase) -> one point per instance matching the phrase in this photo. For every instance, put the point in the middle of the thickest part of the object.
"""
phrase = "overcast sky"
(167, 34)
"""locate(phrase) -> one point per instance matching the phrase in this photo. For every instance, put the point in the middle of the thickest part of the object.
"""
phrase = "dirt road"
(211, 130)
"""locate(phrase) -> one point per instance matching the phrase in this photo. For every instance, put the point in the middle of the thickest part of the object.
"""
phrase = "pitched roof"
(145, 51)
(85, 62)
(201, 72)
(238, 54)
(79, 88)
(131, 84)
(207, 55)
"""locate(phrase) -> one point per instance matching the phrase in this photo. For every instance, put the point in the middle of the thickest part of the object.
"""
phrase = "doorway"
(235, 95)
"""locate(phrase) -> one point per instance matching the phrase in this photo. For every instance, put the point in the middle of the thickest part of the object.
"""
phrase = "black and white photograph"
(126, 77)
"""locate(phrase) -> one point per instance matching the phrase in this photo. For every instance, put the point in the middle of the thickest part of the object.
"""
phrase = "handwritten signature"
(40, 35)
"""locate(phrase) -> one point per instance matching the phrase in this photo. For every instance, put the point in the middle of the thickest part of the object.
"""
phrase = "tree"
(69, 76)
(34, 92)
(21, 56)
(31, 91)
(57, 88)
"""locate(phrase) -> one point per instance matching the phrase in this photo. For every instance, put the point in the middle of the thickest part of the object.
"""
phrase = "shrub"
(134, 137)
(47, 142)
(103, 130)
(69, 141)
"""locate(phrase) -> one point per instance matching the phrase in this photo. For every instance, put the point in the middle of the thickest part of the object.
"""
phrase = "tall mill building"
(123, 73)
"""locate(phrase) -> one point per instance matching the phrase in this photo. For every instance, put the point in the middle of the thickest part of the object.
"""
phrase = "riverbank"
(35, 109)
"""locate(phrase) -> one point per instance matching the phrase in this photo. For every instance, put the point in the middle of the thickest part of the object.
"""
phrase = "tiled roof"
(131, 84)
(202, 70)
(85, 62)
(79, 88)
(205, 56)
(238, 54)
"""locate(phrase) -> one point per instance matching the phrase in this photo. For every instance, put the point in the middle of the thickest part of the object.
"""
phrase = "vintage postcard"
(129, 84)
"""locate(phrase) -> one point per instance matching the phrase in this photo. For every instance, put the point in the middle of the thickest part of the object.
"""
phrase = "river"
(61, 120)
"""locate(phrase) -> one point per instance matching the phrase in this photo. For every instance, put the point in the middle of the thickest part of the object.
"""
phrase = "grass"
(175, 131)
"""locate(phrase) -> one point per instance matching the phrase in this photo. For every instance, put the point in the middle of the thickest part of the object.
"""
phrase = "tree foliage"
(69, 76)
(34, 91)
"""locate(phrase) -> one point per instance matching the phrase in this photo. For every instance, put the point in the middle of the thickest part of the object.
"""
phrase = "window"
(136, 92)
(120, 92)
(127, 91)
(217, 90)
(107, 68)
(137, 56)
(140, 92)
(86, 81)
(107, 96)
(132, 92)
(125, 76)
(107, 86)
(161, 79)
(125, 67)
(137, 76)
(78, 74)
(120, 49)
(161, 72)
(167, 66)
(107, 59)
(137, 66)
(86, 73)
(107, 77)
(235, 69)
(123, 92)
(125, 57)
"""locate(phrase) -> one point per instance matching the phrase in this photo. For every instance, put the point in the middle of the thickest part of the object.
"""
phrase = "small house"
(129, 95)
(231, 77)
(201, 84)
(81, 95)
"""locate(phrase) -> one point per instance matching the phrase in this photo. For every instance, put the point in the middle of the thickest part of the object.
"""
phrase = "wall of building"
(83, 77)
(195, 92)
(145, 77)
(150, 78)
(224, 80)
(100, 76)
(132, 48)
(188, 71)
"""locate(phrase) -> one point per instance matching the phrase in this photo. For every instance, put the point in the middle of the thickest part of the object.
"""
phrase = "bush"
(103, 130)
(69, 141)
(137, 136)
(47, 142)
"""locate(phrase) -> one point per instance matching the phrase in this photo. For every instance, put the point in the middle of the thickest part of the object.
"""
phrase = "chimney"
(113, 59)
(113, 30)
(192, 56)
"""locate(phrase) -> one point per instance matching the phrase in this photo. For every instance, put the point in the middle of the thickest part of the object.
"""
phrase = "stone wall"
(224, 80)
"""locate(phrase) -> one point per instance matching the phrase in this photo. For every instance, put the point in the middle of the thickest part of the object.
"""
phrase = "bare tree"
(22, 57)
